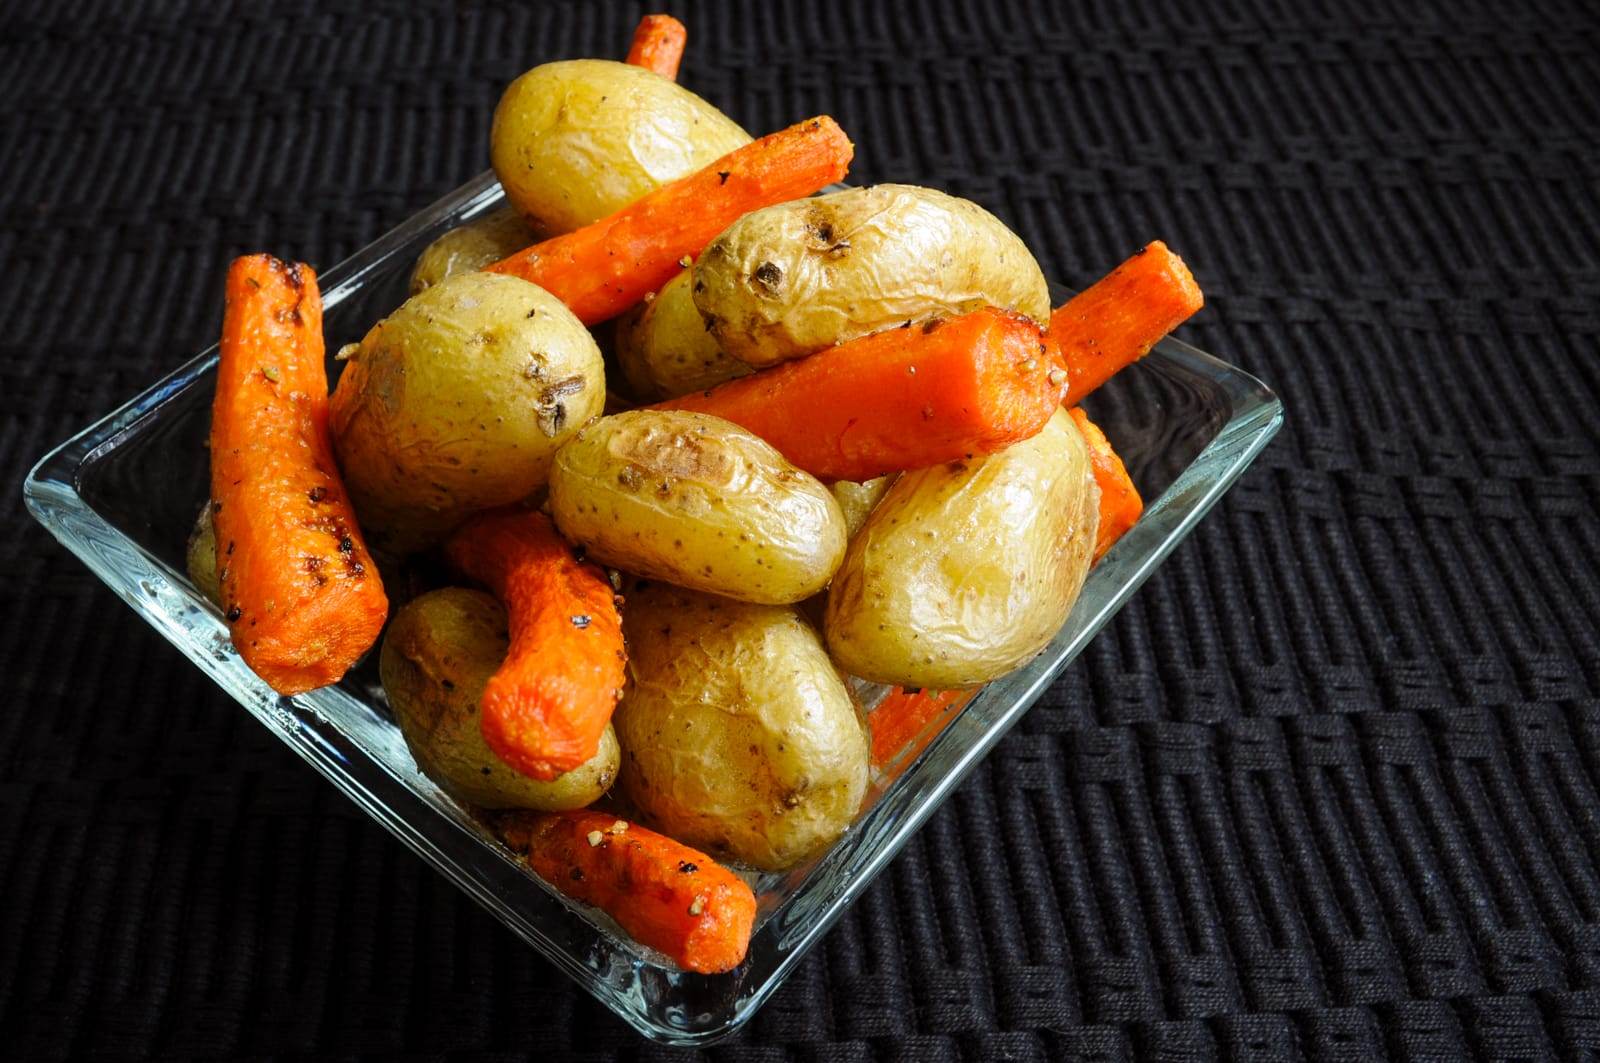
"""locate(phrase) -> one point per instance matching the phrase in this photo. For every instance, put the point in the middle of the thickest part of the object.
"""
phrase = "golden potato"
(791, 279)
(577, 140)
(738, 733)
(858, 500)
(967, 570)
(664, 349)
(479, 243)
(457, 401)
(438, 653)
(200, 556)
(697, 501)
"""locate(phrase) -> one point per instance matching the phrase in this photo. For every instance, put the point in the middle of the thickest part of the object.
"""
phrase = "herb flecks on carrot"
(906, 398)
(902, 717)
(668, 896)
(1120, 504)
(546, 708)
(1115, 321)
(300, 593)
(658, 45)
(604, 268)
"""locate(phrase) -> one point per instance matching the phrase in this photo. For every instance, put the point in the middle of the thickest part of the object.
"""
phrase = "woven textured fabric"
(1328, 788)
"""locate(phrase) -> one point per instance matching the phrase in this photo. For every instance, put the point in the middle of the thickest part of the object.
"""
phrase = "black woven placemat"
(1327, 789)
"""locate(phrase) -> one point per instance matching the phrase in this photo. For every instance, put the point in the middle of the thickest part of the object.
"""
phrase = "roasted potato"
(857, 500)
(479, 243)
(696, 501)
(200, 556)
(738, 733)
(577, 140)
(664, 349)
(967, 570)
(439, 652)
(791, 279)
(457, 401)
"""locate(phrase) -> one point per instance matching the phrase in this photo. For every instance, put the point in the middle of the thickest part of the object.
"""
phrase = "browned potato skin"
(574, 141)
(967, 570)
(664, 349)
(479, 243)
(791, 279)
(437, 655)
(699, 502)
(739, 734)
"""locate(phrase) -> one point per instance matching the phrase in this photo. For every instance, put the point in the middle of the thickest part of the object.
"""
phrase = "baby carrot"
(902, 399)
(668, 896)
(1116, 320)
(602, 269)
(658, 45)
(300, 593)
(1120, 504)
(545, 709)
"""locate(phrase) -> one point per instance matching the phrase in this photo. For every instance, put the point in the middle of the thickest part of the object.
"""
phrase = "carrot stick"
(668, 896)
(1116, 320)
(658, 45)
(1120, 504)
(902, 716)
(545, 709)
(604, 268)
(300, 593)
(906, 398)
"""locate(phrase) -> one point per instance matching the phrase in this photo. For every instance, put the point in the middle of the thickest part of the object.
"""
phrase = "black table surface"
(1328, 788)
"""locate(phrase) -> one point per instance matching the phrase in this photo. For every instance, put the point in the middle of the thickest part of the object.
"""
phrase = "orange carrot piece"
(1116, 320)
(604, 268)
(902, 399)
(902, 716)
(668, 896)
(301, 595)
(658, 45)
(546, 708)
(1120, 504)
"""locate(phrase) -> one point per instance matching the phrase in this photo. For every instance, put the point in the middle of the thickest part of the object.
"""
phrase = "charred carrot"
(300, 593)
(604, 268)
(902, 716)
(658, 45)
(1120, 504)
(1116, 320)
(545, 709)
(668, 896)
(902, 399)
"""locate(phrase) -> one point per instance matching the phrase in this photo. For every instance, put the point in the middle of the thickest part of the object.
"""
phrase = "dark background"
(1326, 788)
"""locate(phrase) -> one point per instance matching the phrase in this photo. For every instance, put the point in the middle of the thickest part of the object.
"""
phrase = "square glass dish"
(123, 494)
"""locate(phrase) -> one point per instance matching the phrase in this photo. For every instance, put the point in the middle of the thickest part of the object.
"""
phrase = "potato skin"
(739, 734)
(200, 556)
(457, 402)
(664, 349)
(438, 653)
(699, 502)
(574, 141)
(857, 499)
(479, 243)
(967, 570)
(791, 279)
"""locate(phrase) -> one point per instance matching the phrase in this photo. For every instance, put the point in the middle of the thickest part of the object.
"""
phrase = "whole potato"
(200, 556)
(788, 280)
(967, 570)
(739, 734)
(697, 501)
(664, 349)
(457, 401)
(479, 243)
(577, 140)
(857, 500)
(438, 653)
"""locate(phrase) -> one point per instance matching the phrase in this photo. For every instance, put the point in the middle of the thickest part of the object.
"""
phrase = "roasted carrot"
(300, 593)
(545, 709)
(906, 398)
(902, 716)
(668, 896)
(1120, 504)
(1116, 320)
(658, 45)
(604, 268)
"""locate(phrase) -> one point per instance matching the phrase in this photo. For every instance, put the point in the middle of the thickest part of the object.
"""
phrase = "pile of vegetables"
(840, 440)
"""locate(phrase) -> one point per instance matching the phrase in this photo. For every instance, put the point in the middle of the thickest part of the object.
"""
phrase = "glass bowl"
(123, 493)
